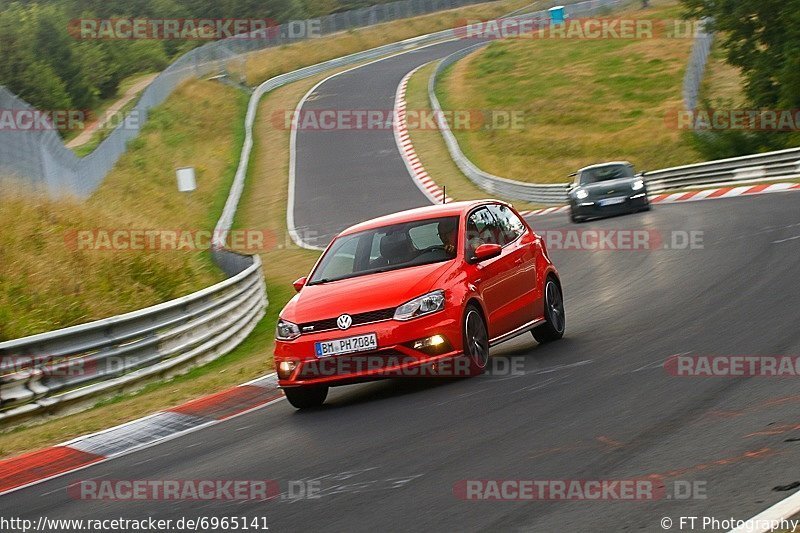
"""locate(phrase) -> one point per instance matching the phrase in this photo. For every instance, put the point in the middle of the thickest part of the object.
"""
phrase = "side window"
(511, 227)
(424, 236)
(482, 228)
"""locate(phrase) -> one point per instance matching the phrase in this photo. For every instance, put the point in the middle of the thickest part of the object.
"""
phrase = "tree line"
(46, 65)
(762, 39)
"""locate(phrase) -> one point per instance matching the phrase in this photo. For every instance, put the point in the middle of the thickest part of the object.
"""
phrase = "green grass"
(584, 101)
(431, 149)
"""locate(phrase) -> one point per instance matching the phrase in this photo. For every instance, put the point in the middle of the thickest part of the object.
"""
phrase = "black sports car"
(606, 189)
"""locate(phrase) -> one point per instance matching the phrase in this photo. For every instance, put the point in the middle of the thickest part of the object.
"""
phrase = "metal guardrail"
(39, 158)
(496, 185)
(41, 372)
(749, 168)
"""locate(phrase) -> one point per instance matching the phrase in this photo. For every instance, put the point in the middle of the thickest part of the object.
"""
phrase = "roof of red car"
(420, 213)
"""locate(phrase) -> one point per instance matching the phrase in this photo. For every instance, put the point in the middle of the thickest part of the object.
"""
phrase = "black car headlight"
(286, 331)
(421, 306)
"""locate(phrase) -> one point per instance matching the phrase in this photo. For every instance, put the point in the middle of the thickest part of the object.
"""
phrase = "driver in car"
(447, 233)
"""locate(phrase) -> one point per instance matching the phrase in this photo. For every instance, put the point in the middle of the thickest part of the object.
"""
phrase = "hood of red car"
(364, 293)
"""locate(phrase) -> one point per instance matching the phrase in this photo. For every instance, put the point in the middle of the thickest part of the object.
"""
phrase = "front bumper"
(592, 208)
(395, 356)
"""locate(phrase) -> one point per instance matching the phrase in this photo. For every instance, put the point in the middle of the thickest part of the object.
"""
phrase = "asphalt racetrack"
(597, 405)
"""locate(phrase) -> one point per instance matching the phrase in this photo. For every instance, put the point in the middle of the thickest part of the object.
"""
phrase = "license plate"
(612, 201)
(359, 343)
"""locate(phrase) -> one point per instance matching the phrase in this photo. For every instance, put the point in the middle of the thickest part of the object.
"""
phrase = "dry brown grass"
(47, 283)
(584, 101)
(273, 61)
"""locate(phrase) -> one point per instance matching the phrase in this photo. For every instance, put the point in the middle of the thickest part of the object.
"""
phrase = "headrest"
(395, 247)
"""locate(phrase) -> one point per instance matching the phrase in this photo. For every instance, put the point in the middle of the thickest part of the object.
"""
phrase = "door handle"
(519, 261)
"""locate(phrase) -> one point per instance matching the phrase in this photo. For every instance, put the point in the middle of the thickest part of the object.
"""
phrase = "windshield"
(610, 172)
(389, 248)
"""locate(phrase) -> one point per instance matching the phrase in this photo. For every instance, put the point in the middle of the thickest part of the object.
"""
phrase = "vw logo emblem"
(344, 321)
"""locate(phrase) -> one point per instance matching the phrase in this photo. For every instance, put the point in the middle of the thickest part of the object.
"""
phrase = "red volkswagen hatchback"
(423, 292)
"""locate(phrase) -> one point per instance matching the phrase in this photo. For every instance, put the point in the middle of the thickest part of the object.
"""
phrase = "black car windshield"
(606, 173)
(388, 248)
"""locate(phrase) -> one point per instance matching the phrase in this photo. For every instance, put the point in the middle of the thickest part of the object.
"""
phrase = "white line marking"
(649, 366)
(786, 240)
(558, 368)
(780, 511)
(543, 384)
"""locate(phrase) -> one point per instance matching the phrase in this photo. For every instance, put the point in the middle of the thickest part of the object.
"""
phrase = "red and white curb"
(693, 196)
(400, 125)
(34, 467)
(435, 193)
(723, 192)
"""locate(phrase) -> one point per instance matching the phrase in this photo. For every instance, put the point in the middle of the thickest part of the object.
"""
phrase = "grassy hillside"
(46, 282)
(584, 101)
(273, 61)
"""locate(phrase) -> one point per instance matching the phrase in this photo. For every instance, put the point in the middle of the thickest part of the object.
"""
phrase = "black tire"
(555, 319)
(306, 397)
(476, 340)
(575, 219)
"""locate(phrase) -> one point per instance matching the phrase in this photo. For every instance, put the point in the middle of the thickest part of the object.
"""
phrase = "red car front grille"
(358, 319)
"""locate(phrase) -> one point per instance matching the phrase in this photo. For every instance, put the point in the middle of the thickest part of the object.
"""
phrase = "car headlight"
(286, 331)
(580, 194)
(638, 184)
(423, 305)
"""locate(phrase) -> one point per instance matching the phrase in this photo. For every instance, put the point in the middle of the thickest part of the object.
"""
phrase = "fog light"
(285, 369)
(432, 345)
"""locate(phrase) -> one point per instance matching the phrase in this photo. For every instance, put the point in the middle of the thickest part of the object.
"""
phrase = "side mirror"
(299, 284)
(487, 251)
